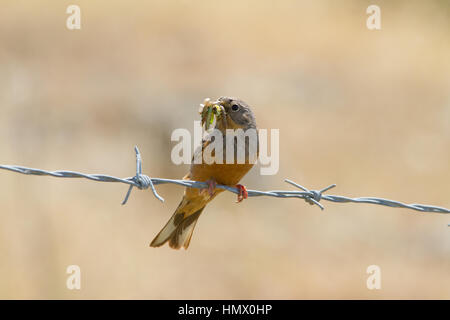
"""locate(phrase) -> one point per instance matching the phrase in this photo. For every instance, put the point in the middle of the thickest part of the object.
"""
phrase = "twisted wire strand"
(142, 182)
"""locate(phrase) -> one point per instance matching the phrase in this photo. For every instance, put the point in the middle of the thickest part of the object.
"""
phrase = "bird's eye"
(234, 107)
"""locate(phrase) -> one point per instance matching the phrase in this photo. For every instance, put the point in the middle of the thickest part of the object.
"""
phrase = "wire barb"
(313, 196)
(142, 182)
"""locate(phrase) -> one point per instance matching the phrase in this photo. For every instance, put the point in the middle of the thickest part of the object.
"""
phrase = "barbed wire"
(142, 182)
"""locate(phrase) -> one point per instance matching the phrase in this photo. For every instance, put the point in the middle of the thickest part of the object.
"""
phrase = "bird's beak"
(223, 117)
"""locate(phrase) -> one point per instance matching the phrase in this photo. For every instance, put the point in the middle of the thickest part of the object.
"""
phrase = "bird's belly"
(226, 174)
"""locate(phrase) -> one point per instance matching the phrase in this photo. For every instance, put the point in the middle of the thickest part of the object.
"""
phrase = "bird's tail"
(178, 230)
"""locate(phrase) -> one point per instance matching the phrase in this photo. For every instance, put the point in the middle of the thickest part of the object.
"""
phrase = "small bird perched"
(235, 114)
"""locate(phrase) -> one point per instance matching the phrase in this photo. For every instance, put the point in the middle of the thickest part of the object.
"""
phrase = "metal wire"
(142, 181)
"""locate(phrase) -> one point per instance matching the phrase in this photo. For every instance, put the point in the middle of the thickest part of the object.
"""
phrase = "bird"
(236, 114)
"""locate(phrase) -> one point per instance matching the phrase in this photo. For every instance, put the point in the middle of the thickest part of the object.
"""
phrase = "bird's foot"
(243, 194)
(211, 187)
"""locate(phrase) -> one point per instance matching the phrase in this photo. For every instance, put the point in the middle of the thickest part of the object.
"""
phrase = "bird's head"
(238, 114)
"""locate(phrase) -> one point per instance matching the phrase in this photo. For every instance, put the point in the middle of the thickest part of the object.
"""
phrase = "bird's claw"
(211, 187)
(243, 194)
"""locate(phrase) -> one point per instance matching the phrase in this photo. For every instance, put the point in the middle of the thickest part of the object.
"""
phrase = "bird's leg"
(211, 187)
(243, 194)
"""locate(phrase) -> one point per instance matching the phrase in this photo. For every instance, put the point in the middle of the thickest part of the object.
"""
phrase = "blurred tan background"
(367, 110)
